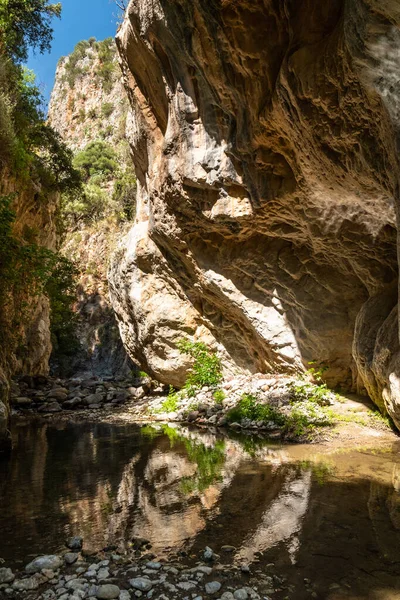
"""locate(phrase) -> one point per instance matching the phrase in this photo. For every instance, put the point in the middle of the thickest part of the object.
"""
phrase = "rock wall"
(25, 348)
(87, 105)
(77, 108)
(264, 140)
(102, 352)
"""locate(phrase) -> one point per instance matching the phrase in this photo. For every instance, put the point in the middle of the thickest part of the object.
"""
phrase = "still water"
(331, 518)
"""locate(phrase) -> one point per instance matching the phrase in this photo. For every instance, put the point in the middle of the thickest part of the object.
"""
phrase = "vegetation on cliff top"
(85, 52)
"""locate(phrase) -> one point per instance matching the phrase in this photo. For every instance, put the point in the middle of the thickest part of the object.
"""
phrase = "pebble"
(25, 585)
(186, 586)
(212, 587)
(208, 554)
(107, 592)
(140, 583)
(226, 596)
(71, 557)
(240, 594)
(103, 573)
(77, 584)
(153, 565)
(6, 575)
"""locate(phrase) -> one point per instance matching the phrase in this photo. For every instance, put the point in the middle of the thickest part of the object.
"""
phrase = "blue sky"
(80, 20)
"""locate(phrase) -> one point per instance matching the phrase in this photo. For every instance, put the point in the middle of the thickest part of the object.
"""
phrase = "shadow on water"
(333, 520)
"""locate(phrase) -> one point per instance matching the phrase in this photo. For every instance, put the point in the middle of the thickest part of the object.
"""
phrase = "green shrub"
(302, 391)
(171, 402)
(219, 396)
(124, 195)
(304, 417)
(72, 69)
(107, 108)
(206, 370)
(81, 115)
(92, 113)
(250, 408)
(300, 420)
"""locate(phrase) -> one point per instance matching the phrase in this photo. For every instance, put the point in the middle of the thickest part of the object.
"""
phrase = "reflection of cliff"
(282, 520)
(164, 498)
(335, 523)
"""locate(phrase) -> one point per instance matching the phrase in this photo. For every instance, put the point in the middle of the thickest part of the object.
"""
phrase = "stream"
(331, 518)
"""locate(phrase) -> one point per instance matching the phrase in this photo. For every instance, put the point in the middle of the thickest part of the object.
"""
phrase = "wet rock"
(50, 561)
(212, 587)
(107, 592)
(6, 575)
(74, 543)
(141, 583)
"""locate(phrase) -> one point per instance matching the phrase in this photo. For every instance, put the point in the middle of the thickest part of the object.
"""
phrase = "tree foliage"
(24, 24)
(98, 158)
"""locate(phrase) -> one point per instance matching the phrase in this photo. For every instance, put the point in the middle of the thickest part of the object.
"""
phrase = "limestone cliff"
(88, 100)
(25, 320)
(89, 105)
(264, 140)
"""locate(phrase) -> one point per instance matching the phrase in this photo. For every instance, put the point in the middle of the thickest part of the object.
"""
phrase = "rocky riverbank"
(52, 395)
(125, 573)
(279, 407)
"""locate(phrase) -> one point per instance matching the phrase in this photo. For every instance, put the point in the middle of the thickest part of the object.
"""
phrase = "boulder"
(50, 561)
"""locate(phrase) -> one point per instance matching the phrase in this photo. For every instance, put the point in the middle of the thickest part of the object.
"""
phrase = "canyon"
(199, 331)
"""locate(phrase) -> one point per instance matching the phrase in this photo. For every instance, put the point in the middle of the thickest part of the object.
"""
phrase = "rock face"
(264, 141)
(88, 104)
(25, 324)
(88, 101)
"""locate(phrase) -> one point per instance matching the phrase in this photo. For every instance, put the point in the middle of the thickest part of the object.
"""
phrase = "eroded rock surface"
(264, 141)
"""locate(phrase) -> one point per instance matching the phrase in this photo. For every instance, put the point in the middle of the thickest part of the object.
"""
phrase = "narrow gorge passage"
(199, 336)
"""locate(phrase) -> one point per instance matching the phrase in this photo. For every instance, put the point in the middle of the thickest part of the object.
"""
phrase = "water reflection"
(333, 519)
